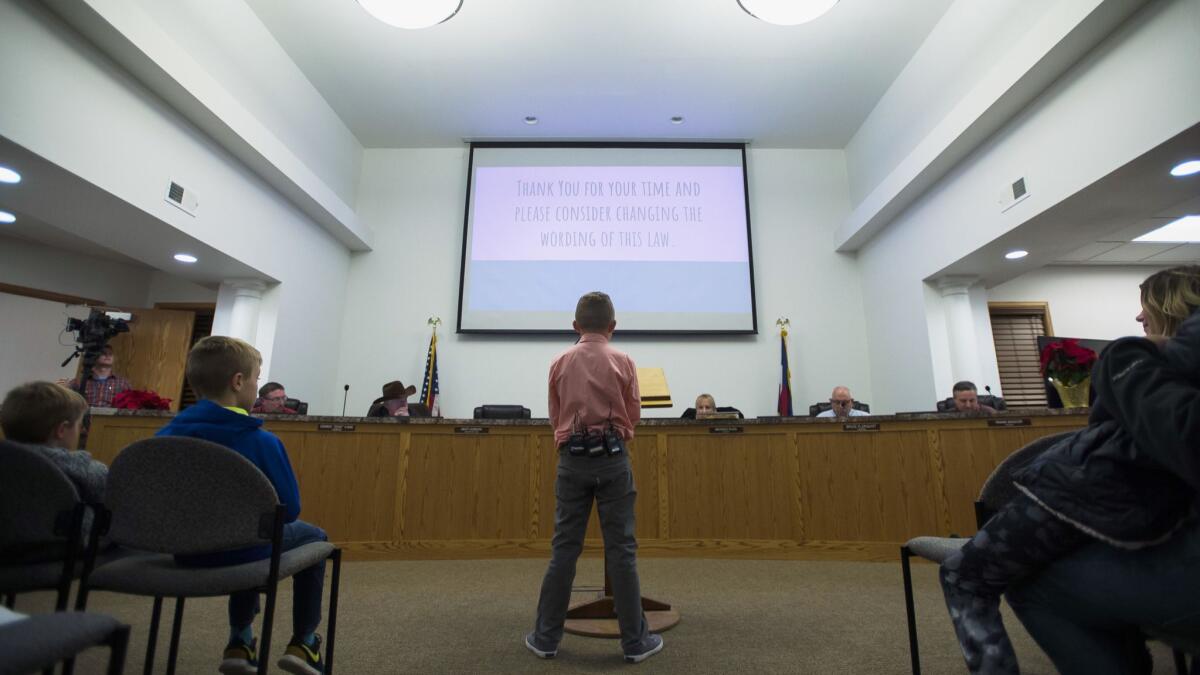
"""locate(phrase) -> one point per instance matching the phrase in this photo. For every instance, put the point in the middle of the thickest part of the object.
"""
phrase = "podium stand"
(598, 618)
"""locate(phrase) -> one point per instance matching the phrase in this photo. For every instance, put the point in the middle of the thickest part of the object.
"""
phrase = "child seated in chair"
(49, 418)
(224, 373)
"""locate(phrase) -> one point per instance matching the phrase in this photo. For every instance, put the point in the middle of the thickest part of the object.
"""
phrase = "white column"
(243, 315)
(960, 327)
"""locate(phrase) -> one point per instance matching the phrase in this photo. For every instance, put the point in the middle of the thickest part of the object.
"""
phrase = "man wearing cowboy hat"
(394, 402)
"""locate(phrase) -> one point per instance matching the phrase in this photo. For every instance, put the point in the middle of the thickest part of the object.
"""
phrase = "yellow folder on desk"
(652, 382)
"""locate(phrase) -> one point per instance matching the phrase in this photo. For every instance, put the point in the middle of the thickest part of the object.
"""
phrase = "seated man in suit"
(841, 404)
(966, 399)
(394, 402)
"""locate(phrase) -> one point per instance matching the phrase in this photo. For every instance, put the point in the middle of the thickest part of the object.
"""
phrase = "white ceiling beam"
(134, 40)
(1058, 41)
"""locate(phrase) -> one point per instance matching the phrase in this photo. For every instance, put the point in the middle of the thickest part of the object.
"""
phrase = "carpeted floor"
(470, 617)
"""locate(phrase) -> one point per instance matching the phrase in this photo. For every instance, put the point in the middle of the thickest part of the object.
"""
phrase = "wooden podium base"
(598, 618)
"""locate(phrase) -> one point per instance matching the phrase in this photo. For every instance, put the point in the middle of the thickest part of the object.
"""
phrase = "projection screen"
(662, 228)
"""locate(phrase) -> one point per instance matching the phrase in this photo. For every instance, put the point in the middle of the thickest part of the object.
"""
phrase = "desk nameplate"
(726, 430)
(860, 426)
(1010, 422)
(471, 430)
(335, 427)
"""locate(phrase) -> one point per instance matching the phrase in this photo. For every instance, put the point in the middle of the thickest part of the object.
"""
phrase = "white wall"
(413, 200)
(1097, 302)
(33, 347)
(963, 46)
(47, 268)
(1102, 114)
(167, 288)
(229, 41)
(74, 107)
(34, 265)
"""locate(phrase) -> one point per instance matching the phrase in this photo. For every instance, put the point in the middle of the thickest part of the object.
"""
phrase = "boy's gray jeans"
(608, 480)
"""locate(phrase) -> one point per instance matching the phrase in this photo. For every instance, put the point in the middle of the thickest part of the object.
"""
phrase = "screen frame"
(649, 145)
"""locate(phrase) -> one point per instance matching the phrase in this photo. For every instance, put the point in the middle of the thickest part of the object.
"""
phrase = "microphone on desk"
(345, 394)
(987, 389)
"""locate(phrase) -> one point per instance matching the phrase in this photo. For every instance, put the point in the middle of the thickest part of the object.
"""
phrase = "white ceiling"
(1096, 225)
(57, 208)
(30, 228)
(612, 69)
(1118, 247)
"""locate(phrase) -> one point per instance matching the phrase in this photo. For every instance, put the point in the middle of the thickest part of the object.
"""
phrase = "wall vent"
(1016, 193)
(181, 198)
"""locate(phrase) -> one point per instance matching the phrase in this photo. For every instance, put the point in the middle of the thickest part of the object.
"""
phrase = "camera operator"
(103, 386)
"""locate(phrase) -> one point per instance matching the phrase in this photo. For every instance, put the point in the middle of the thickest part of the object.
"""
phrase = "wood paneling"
(152, 355)
(868, 486)
(788, 491)
(732, 486)
(970, 456)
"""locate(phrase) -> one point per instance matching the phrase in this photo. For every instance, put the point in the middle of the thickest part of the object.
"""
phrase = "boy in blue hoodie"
(224, 372)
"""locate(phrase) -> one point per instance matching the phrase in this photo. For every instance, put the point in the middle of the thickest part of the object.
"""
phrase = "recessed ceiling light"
(531, 120)
(678, 119)
(412, 14)
(6, 217)
(185, 258)
(787, 12)
(1192, 166)
(1185, 230)
(1017, 254)
(7, 175)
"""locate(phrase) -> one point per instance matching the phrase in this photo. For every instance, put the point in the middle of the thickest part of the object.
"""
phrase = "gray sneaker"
(651, 646)
(541, 653)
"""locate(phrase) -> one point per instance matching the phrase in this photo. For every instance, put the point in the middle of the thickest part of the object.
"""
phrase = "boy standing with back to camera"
(594, 405)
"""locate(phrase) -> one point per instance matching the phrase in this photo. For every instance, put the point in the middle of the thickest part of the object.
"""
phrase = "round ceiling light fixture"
(186, 258)
(786, 12)
(6, 217)
(678, 119)
(1017, 254)
(412, 14)
(531, 120)
(7, 175)
(1192, 166)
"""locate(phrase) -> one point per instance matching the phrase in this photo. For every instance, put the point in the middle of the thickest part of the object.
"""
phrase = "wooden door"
(152, 355)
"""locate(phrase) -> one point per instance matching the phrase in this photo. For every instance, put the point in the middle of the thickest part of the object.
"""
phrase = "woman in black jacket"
(1097, 484)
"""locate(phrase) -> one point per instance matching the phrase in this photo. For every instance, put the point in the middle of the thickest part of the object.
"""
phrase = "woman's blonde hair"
(1169, 297)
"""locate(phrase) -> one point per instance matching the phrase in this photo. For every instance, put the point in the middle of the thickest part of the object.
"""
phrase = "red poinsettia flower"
(1066, 361)
(135, 399)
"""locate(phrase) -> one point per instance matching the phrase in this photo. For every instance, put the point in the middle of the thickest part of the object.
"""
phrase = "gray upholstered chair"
(39, 642)
(41, 541)
(1181, 645)
(997, 491)
(173, 495)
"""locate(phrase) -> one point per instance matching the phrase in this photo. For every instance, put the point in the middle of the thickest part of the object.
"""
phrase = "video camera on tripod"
(91, 337)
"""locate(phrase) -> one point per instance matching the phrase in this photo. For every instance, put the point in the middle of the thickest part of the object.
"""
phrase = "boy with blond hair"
(594, 394)
(49, 418)
(224, 373)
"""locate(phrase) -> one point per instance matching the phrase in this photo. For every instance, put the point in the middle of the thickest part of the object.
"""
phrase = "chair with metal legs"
(41, 541)
(41, 641)
(997, 491)
(177, 496)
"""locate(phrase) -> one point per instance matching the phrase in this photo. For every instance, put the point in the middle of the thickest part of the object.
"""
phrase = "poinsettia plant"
(135, 399)
(1064, 360)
